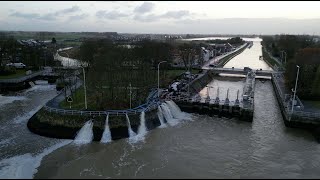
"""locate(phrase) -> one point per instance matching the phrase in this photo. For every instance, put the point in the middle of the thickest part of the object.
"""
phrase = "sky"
(194, 17)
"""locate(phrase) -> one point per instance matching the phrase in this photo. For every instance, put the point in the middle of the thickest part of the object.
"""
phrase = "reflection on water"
(249, 58)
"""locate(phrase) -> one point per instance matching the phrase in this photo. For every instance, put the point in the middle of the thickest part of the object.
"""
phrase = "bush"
(7, 70)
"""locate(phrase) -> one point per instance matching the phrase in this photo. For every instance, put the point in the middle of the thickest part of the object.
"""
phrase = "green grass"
(78, 101)
(316, 104)
(78, 96)
(19, 73)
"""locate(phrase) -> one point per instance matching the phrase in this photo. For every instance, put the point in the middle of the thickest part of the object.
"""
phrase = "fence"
(145, 107)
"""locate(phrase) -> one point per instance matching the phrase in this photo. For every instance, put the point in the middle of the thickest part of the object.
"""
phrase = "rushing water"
(207, 147)
(20, 150)
(106, 136)
(85, 134)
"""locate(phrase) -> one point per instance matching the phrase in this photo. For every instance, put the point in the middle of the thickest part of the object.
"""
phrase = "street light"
(285, 59)
(295, 89)
(84, 86)
(159, 78)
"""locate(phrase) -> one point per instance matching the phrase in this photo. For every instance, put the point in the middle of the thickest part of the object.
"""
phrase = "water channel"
(205, 147)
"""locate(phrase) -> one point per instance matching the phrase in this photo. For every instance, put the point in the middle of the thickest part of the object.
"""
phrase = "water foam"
(25, 166)
(131, 133)
(10, 99)
(176, 111)
(85, 135)
(161, 118)
(106, 137)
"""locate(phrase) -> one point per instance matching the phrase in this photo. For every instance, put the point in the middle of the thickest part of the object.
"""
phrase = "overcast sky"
(204, 17)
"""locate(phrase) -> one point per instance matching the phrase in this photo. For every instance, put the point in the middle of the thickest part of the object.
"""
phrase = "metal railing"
(145, 107)
(200, 100)
(303, 114)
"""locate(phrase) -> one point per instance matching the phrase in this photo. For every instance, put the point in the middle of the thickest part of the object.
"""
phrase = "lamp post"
(285, 58)
(84, 86)
(295, 89)
(159, 77)
(130, 93)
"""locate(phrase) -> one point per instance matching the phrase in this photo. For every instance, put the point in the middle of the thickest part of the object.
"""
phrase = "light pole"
(159, 77)
(285, 58)
(130, 93)
(84, 86)
(295, 89)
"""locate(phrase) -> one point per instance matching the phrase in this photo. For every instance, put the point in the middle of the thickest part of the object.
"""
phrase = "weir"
(106, 137)
(85, 135)
(130, 131)
(242, 108)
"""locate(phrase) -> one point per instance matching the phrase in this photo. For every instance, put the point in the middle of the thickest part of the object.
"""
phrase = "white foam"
(85, 135)
(25, 166)
(142, 131)
(130, 131)
(106, 137)
(168, 116)
(27, 116)
(176, 111)
(161, 118)
(10, 99)
(41, 88)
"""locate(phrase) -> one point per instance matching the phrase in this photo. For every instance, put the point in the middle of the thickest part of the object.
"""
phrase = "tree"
(309, 61)
(53, 41)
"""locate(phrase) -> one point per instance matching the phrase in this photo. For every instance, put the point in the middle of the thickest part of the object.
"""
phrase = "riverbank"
(297, 118)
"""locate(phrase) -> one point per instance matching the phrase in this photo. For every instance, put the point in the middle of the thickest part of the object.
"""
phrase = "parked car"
(213, 65)
(17, 65)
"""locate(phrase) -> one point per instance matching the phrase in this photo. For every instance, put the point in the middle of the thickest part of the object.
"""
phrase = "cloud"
(144, 8)
(25, 15)
(169, 14)
(147, 18)
(48, 16)
(111, 14)
(68, 10)
(79, 17)
(176, 14)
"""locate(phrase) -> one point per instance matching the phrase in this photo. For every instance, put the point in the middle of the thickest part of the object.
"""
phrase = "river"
(205, 147)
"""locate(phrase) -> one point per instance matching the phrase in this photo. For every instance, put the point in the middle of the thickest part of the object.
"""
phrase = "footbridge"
(244, 71)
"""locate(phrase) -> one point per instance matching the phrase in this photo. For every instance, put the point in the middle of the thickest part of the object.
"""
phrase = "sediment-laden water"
(205, 147)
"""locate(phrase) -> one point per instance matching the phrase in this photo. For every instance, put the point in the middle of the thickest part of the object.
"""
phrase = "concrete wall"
(51, 124)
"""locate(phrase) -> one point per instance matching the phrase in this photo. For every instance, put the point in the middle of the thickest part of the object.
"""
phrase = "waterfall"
(131, 133)
(142, 128)
(85, 135)
(176, 111)
(106, 137)
(161, 118)
(168, 116)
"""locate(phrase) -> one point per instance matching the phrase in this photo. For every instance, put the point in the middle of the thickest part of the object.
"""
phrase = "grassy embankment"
(19, 73)
(78, 97)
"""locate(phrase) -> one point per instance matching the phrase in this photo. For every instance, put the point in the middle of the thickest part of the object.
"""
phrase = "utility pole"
(295, 89)
(159, 77)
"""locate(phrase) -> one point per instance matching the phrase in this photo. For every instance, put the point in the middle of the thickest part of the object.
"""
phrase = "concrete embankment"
(51, 124)
(223, 61)
(299, 119)
(225, 109)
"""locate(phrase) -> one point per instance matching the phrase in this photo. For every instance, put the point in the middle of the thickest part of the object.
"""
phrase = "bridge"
(241, 71)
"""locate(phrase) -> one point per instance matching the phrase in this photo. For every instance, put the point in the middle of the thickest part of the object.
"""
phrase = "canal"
(205, 147)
